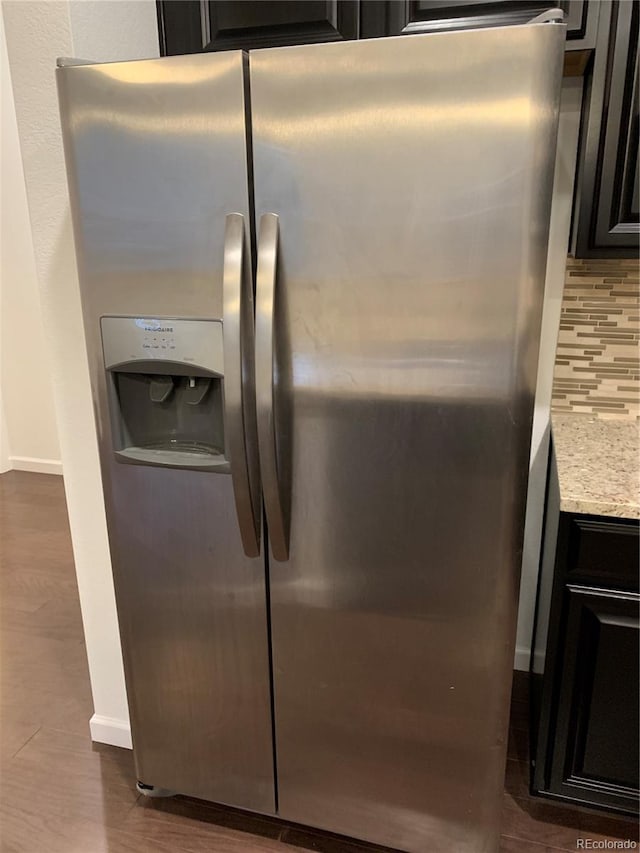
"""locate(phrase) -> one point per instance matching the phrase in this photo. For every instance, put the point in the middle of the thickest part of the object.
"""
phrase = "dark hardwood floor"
(59, 793)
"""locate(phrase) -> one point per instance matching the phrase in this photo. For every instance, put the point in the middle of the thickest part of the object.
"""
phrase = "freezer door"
(157, 163)
(411, 182)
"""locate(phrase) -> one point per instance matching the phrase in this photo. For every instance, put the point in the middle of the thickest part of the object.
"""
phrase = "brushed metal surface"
(239, 398)
(156, 158)
(412, 179)
(136, 340)
(266, 367)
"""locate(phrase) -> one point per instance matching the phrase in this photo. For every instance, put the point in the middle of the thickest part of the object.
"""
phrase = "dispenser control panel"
(159, 337)
(187, 342)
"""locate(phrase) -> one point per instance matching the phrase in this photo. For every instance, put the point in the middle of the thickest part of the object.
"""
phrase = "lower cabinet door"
(595, 756)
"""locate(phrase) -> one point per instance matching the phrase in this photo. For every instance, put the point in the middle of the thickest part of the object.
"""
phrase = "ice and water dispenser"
(165, 389)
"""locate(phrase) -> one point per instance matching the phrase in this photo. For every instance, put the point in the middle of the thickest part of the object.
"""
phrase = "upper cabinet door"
(395, 17)
(607, 221)
(187, 27)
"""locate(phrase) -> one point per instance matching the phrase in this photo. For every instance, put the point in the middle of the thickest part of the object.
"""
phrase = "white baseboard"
(35, 465)
(111, 731)
(522, 658)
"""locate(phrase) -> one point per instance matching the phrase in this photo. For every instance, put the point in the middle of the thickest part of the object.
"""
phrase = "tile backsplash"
(598, 357)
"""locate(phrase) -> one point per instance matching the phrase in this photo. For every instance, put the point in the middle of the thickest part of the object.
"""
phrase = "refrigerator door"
(157, 162)
(411, 178)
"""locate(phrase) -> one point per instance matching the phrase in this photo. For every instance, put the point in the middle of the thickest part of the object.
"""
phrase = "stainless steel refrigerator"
(346, 664)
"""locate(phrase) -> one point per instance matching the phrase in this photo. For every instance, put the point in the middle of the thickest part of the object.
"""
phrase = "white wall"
(37, 33)
(554, 286)
(29, 436)
(5, 465)
(106, 30)
(5, 450)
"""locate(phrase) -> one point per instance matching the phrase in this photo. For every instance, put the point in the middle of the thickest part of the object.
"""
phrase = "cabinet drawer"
(604, 553)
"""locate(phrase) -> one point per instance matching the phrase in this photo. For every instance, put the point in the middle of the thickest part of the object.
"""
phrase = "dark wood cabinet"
(606, 216)
(396, 17)
(180, 26)
(586, 713)
(255, 23)
(595, 752)
(189, 27)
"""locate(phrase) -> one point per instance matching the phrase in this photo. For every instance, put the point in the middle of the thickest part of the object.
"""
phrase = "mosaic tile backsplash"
(598, 357)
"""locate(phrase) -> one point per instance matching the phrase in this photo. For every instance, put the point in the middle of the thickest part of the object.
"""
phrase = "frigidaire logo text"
(150, 324)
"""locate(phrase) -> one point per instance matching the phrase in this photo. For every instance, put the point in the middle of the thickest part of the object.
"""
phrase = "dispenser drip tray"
(175, 454)
(181, 446)
(169, 420)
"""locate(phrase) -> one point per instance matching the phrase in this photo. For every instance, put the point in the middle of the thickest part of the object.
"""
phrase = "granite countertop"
(598, 465)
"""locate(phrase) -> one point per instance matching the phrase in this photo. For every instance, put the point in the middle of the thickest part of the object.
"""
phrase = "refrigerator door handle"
(266, 276)
(239, 414)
